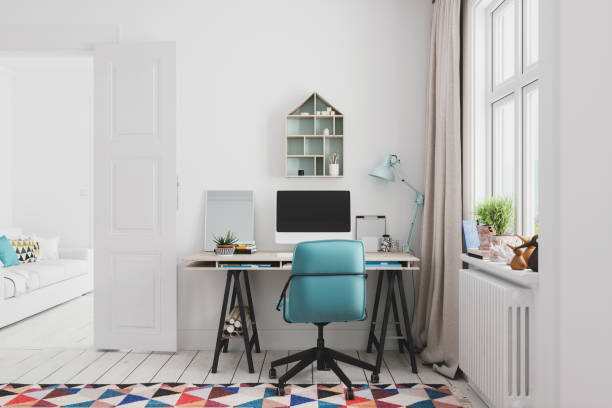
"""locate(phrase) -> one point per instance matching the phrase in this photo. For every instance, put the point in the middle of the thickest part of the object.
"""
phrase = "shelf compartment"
(338, 126)
(321, 105)
(314, 146)
(308, 106)
(319, 166)
(300, 126)
(334, 145)
(295, 146)
(324, 123)
(301, 163)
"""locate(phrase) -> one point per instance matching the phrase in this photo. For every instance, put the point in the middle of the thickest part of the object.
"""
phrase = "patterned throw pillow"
(27, 249)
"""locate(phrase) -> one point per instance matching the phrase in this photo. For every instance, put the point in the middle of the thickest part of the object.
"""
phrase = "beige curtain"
(435, 327)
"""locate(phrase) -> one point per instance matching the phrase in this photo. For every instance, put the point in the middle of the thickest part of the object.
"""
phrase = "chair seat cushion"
(339, 314)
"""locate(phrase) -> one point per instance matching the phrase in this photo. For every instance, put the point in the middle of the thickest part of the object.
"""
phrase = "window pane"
(503, 42)
(531, 154)
(530, 32)
(504, 141)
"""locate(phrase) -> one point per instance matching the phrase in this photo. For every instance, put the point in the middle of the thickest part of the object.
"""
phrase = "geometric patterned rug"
(227, 395)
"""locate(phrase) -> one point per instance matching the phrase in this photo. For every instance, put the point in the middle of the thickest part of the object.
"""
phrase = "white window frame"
(479, 99)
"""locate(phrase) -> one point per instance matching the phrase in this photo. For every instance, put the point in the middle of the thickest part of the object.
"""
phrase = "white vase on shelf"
(334, 169)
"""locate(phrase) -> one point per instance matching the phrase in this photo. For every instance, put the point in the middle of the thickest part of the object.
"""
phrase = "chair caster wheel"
(374, 378)
(272, 373)
(281, 390)
(350, 395)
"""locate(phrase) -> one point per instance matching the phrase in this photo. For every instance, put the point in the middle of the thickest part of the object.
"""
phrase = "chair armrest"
(84, 254)
(283, 295)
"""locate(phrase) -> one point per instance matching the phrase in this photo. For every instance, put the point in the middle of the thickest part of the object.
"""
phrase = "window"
(504, 151)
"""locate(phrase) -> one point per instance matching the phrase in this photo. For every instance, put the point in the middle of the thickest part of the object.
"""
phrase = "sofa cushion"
(49, 248)
(26, 249)
(8, 257)
(32, 276)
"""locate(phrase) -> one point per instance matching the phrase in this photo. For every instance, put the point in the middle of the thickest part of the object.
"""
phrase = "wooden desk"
(207, 261)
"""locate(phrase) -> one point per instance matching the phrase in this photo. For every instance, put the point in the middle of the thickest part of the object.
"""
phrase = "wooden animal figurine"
(518, 263)
(532, 261)
(529, 244)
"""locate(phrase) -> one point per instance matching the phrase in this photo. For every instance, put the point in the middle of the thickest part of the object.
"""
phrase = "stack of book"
(245, 247)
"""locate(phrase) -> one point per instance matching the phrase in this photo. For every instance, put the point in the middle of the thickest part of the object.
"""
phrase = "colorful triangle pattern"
(225, 395)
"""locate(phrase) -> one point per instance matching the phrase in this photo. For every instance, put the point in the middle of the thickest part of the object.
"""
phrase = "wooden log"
(238, 322)
(235, 314)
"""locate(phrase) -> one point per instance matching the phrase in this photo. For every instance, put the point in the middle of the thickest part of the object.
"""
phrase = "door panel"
(134, 197)
(135, 193)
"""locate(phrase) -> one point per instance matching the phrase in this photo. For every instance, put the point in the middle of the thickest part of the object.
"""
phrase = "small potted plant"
(497, 213)
(225, 244)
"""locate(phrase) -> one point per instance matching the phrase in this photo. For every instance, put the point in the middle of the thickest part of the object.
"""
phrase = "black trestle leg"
(398, 325)
(247, 287)
(372, 335)
(245, 330)
(231, 308)
(383, 328)
(219, 343)
(410, 344)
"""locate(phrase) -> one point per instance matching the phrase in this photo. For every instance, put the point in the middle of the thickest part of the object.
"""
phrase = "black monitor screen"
(313, 211)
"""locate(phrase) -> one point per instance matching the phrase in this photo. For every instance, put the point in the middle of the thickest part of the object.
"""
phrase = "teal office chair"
(327, 284)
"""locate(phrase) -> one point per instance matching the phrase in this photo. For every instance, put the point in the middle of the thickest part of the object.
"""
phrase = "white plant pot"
(225, 250)
(334, 169)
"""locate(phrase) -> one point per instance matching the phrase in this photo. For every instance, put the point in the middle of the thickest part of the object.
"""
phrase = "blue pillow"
(8, 256)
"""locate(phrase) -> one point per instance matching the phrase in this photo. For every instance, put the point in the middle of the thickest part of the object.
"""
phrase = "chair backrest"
(328, 298)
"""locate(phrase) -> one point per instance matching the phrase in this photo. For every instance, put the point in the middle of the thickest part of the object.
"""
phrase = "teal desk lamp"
(385, 172)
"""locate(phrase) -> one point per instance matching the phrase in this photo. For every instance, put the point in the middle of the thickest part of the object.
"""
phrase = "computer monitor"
(312, 215)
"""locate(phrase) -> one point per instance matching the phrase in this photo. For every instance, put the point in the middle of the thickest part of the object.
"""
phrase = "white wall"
(241, 67)
(52, 121)
(576, 191)
(6, 145)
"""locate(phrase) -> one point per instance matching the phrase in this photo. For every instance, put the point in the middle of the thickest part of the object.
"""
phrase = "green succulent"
(496, 212)
(228, 239)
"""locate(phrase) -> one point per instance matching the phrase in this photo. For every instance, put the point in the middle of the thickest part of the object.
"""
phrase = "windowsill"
(526, 278)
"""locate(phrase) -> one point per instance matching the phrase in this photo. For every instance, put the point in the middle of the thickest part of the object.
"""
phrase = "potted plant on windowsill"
(225, 244)
(497, 213)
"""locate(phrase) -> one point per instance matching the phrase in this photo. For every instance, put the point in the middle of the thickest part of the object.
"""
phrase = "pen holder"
(334, 169)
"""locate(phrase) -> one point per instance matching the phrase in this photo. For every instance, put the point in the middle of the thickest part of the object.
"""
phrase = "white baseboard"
(294, 339)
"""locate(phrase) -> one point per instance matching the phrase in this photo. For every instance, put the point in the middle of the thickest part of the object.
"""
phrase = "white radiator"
(495, 330)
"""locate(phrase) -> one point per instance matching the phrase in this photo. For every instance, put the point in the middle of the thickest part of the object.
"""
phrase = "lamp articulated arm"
(419, 199)
(385, 172)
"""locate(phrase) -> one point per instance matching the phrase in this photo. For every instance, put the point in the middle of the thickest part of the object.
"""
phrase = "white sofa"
(30, 288)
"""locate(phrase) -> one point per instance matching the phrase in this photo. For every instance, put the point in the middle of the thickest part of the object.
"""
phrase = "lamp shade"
(385, 170)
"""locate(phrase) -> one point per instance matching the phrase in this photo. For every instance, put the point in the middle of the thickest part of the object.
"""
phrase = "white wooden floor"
(56, 347)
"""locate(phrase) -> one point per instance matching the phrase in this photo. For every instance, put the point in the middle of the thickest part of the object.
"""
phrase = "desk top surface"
(267, 256)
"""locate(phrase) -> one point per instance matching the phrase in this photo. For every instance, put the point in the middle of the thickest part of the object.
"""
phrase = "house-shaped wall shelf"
(314, 133)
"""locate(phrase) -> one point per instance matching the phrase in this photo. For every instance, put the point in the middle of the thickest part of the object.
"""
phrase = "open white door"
(135, 196)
